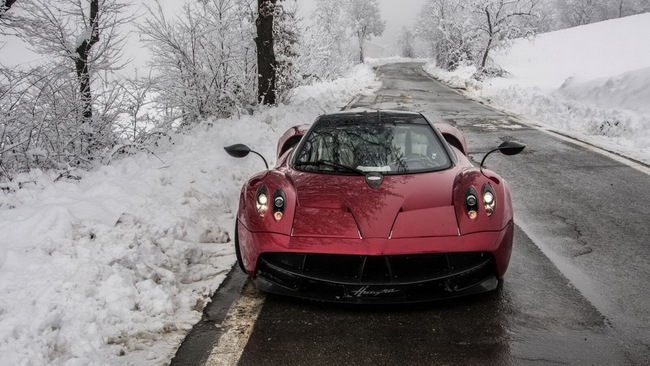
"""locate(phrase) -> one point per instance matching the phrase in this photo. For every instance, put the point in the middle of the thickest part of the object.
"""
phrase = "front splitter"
(376, 294)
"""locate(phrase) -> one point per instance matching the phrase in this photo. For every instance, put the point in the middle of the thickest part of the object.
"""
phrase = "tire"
(240, 262)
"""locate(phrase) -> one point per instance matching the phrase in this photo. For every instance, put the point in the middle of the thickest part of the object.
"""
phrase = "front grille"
(290, 269)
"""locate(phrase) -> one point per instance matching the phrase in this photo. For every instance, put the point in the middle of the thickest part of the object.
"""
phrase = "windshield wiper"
(330, 164)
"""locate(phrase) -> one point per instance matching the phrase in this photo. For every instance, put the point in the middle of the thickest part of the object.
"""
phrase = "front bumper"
(376, 270)
(376, 279)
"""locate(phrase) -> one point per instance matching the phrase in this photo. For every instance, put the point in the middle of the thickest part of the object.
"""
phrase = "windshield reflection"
(370, 146)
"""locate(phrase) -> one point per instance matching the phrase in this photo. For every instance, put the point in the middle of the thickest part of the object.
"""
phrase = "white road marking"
(238, 326)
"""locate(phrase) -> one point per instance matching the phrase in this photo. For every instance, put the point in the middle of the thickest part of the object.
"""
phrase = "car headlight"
(471, 203)
(489, 199)
(471, 200)
(279, 200)
(262, 201)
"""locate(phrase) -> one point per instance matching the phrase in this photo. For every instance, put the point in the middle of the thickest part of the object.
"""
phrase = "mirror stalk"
(486, 155)
(506, 148)
(264, 160)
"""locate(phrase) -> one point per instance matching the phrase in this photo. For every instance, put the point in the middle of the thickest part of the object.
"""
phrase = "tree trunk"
(265, 54)
(81, 67)
(620, 8)
(83, 77)
(6, 5)
(487, 51)
(490, 35)
(361, 37)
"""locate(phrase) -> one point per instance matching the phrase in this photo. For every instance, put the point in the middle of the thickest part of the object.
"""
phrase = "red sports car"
(374, 207)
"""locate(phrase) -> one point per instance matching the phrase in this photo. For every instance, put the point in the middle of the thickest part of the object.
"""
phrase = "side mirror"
(241, 151)
(511, 148)
(237, 150)
(507, 148)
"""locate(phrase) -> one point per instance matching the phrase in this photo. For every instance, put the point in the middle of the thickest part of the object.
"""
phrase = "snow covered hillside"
(591, 82)
(116, 267)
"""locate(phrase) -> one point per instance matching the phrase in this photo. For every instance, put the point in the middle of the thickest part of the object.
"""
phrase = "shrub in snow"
(61, 113)
(203, 60)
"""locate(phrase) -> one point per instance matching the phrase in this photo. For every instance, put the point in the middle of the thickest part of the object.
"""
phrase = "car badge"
(374, 180)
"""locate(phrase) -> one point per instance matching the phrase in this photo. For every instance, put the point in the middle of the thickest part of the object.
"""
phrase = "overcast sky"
(397, 13)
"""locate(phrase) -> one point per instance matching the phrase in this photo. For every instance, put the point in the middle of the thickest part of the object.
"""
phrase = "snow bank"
(592, 51)
(630, 90)
(115, 268)
(591, 82)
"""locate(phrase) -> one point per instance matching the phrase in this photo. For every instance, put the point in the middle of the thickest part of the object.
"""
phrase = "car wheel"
(240, 262)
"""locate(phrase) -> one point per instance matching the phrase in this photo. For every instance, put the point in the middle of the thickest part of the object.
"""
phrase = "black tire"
(240, 263)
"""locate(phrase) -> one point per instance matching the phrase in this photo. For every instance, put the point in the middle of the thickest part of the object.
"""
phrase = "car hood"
(403, 206)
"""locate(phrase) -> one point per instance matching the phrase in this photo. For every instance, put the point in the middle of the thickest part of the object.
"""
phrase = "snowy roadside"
(590, 82)
(117, 267)
(615, 129)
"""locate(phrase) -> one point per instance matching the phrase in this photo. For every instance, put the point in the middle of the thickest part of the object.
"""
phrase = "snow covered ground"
(591, 82)
(116, 267)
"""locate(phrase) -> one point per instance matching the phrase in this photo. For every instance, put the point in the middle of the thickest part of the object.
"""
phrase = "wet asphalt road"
(536, 318)
(577, 288)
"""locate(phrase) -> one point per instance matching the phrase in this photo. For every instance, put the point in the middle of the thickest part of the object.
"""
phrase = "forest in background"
(76, 109)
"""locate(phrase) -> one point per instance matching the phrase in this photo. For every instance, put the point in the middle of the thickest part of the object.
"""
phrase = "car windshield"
(369, 142)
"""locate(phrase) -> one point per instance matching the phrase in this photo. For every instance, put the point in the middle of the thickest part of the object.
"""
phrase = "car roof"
(372, 116)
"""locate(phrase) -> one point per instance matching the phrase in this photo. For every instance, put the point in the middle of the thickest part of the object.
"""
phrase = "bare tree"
(53, 117)
(365, 19)
(467, 30)
(70, 34)
(573, 13)
(503, 20)
(203, 60)
(406, 40)
(326, 49)
(448, 28)
(71, 30)
(580, 12)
